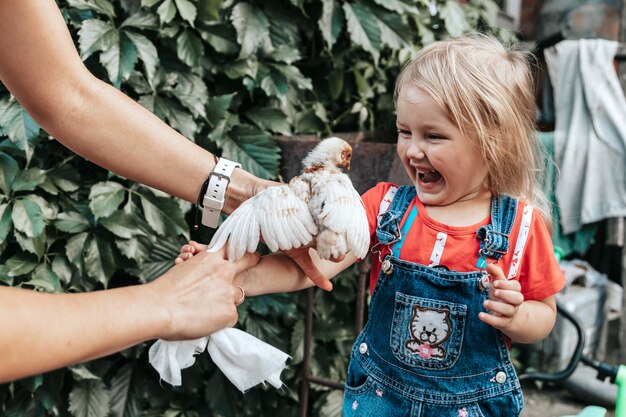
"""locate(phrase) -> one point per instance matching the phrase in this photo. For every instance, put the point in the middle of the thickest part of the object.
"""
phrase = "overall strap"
(403, 197)
(388, 230)
(494, 237)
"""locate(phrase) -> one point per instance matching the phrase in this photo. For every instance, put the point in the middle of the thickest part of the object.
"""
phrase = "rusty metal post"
(306, 358)
(364, 268)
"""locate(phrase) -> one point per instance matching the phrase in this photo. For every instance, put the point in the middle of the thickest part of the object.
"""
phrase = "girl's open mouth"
(430, 176)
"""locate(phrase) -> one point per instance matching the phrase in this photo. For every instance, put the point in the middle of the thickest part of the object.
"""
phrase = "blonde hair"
(486, 89)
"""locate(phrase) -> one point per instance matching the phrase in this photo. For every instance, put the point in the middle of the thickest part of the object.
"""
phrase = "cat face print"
(429, 328)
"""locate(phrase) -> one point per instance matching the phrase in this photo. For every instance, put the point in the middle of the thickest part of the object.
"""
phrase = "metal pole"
(364, 268)
(306, 360)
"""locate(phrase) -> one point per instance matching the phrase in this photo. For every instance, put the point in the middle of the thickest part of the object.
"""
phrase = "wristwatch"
(213, 200)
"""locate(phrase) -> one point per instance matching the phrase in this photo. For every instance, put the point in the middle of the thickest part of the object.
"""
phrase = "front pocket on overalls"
(427, 333)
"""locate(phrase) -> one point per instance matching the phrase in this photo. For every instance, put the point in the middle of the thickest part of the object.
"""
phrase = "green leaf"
(18, 126)
(5, 221)
(209, 9)
(192, 92)
(332, 405)
(221, 37)
(29, 179)
(99, 262)
(187, 10)
(309, 122)
(80, 373)
(160, 260)
(63, 177)
(74, 249)
(71, 222)
(147, 52)
(136, 248)
(392, 30)
(35, 245)
(294, 76)
(335, 82)
(189, 47)
(149, 3)
(120, 59)
(255, 150)
(163, 214)
(45, 279)
(27, 217)
(454, 16)
(100, 6)
(219, 133)
(62, 269)
(398, 6)
(21, 264)
(105, 198)
(181, 120)
(121, 224)
(252, 27)
(89, 398)
(96, 35)
(48, 207)
(275, 84)
(166, 11)
(270, 119)
(125, 393)
(285, 54)
(241, 68)
(331, 21)
(363, 28)
(217, 107)
(8, 171)
(141, 20)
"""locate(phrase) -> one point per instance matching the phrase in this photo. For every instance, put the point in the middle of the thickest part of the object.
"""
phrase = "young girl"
(462, 260)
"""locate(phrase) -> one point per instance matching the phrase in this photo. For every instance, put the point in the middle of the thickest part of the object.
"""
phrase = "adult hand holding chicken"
(318, 208)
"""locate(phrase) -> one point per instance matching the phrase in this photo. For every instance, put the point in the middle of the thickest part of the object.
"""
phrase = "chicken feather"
(318, 208)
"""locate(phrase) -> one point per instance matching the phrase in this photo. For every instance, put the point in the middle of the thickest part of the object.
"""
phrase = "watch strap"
(213, 201)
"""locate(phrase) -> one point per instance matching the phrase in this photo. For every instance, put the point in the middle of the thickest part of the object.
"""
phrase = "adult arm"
(41, 67)
(43, 331)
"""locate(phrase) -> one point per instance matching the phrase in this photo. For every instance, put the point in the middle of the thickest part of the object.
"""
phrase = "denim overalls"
(424, 352)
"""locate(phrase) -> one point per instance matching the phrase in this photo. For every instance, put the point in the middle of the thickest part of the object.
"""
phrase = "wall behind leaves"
(228, 75)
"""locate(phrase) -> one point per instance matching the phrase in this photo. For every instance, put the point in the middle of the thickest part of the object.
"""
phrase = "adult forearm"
(41, 332)
(110, 129)
(43, 70)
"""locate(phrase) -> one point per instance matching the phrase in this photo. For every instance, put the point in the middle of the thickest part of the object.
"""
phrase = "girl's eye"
(404, 133)
(434, 136)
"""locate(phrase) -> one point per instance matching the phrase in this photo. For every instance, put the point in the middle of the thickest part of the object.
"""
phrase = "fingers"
(198, 247)
(247, 261)
(305, 263)
(498, 322)
(188, 250)
(505, 297)
(495, 272)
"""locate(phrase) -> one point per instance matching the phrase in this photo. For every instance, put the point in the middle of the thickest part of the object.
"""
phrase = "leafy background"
(228, 75)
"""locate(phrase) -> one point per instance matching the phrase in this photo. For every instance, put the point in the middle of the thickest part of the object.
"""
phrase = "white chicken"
(319, 208)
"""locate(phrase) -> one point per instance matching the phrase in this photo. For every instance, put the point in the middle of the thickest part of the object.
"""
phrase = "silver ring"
(243, 296)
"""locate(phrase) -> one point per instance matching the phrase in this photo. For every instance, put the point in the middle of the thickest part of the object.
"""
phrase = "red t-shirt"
(530, 259)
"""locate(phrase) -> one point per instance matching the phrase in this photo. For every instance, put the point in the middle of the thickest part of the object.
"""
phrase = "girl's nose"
(415, 151)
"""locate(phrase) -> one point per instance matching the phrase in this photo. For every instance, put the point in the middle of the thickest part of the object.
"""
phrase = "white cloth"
(245, 360)
(590, 132)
